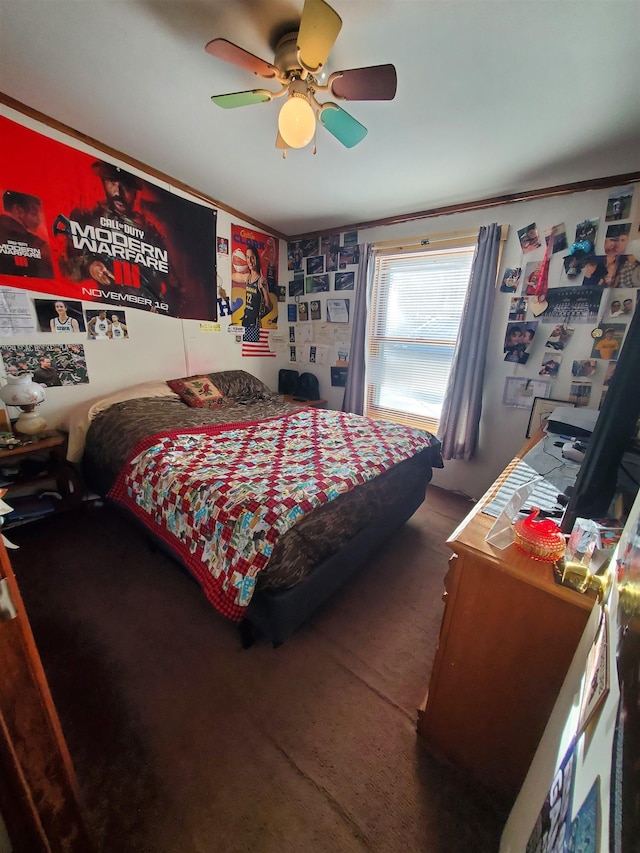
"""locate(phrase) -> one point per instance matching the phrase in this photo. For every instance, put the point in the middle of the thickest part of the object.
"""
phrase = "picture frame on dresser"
(541, 408)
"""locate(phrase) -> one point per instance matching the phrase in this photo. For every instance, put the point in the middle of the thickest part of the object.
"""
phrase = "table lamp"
(23, 393)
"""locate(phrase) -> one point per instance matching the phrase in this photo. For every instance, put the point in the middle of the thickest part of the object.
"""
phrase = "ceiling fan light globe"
(297, 122)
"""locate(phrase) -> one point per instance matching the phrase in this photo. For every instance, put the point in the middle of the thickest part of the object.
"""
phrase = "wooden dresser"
(507, 638)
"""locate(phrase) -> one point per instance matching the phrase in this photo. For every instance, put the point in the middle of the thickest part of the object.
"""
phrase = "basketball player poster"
(84, 229)
(254, 278)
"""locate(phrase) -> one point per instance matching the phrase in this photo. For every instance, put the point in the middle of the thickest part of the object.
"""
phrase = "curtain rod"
(452, 237)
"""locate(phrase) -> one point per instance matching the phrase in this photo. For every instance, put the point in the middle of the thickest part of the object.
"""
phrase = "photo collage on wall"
(321, 291)
(62, 360)
(594, 285)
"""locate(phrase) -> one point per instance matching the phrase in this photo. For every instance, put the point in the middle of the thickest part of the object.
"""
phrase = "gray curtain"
(460, 420)
(354, 391)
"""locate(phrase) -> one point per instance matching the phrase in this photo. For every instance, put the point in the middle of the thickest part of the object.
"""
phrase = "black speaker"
(287, 381)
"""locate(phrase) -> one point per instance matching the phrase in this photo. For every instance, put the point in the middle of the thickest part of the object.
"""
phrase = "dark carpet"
(183, 742)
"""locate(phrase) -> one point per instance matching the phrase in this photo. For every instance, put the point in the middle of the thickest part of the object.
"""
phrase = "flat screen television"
(612, 436)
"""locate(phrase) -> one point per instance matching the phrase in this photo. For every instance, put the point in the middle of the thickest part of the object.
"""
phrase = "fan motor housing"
(286, 55)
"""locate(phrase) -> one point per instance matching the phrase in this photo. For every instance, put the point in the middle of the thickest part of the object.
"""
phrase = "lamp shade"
(297, 122)
(21, 391)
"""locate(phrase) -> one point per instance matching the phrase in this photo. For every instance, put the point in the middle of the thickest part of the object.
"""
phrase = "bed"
(270, 506)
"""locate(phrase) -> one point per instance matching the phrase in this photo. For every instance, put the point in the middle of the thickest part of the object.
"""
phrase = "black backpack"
(287, 381)
(307, 387)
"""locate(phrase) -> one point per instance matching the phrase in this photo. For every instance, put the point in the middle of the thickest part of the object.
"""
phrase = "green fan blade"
(341, 125)
(241, 99)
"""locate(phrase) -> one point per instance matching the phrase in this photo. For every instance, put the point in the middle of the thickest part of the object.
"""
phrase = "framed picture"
(519, 392)
(596, 679)
(541, 409)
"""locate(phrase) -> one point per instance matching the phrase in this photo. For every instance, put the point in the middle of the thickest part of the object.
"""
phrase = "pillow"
(199, 392)
(238, 384)
(76, 421)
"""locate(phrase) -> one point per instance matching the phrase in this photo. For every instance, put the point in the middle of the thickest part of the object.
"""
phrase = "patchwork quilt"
(220, 496)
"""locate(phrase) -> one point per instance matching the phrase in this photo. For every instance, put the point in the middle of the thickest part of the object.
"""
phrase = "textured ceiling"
(493, 98)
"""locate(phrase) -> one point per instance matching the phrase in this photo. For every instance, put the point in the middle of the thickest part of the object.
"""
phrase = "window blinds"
(414, 319)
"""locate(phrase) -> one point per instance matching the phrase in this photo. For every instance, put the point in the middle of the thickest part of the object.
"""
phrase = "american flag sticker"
(256, 342)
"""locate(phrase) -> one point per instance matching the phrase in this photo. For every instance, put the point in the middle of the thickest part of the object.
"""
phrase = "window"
(414, 318)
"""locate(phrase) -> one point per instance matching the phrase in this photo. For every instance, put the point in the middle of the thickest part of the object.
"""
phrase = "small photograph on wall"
(574, 304)
(99, 323)
(310, 246)
(303, 310)
(292, 334)
(550, 364)
(59, 315)
(580, 393)
(294, 255)
(517, 341)
(330, 244)
(118, 330)
(332, 261)
(619, 305)
(510, 279)
(282, 293)
(559, 337)
(587, 230)
(531, 277)
(292, 355)
(223, 246)
(529, 238)
(315, 309)
(349, 255)
(350, 238)
(619, 204)
(296, 287)
(584, 368)
(344, 281)
(608, 338)
(559, 235)
(518, 309)
(316, 284)
(595, 271)
(52, 365)
(315, 264)
(292, 313)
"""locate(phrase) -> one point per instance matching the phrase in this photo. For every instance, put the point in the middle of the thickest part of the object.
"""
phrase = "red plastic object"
(541, 539)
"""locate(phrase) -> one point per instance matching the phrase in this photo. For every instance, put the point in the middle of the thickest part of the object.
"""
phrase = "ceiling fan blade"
(241, 99)
(340, 124)
(319, 28)
(376, 83)
(229, 52)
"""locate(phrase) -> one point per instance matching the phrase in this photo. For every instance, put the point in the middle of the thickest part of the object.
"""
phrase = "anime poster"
(254, 277)
(84, 229)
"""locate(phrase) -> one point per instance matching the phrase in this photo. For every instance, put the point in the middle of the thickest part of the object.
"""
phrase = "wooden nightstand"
(38, 464)
(316, 404)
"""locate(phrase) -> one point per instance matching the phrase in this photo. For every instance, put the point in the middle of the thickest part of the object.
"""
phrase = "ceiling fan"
(297, 66)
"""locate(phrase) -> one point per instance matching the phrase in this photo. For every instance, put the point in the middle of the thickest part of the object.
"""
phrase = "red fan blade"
(229, 52)
(375, 83)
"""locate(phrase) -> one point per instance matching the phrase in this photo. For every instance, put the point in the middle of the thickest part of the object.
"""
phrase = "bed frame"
(276, 614)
